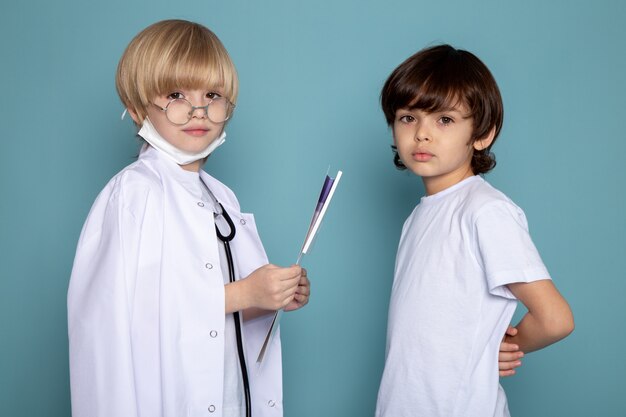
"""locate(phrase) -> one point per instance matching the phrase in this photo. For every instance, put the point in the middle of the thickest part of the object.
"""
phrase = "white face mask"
(150, 134)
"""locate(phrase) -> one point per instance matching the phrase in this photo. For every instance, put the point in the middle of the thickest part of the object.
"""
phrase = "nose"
(421, 129)
(204, 111)
(422, 134)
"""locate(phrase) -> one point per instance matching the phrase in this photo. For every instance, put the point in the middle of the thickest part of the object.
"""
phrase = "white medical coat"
(146, 300)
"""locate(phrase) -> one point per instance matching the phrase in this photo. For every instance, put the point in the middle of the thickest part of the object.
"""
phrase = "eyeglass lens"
(180, 111)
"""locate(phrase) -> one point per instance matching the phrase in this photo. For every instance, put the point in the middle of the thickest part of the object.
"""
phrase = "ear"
(133, 115)
(484, 143)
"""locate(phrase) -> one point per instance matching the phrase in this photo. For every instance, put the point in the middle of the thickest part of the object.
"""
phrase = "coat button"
(211, 408)
(208, 265)
(200, 204)
(271, 403)
(242, 221)
(213, 333)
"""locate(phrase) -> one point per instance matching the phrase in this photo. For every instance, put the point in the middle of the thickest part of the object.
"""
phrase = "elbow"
(569, 326)
(561, 325)
(570, 323)
(565, 328)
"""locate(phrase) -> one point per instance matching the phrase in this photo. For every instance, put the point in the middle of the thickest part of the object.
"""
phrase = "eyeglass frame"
(194, 108)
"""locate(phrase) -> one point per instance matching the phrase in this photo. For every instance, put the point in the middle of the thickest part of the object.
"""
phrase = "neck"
(193, 166)
(435, 185)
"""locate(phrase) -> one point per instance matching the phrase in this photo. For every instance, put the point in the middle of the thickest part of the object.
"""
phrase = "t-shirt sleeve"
(504, 248)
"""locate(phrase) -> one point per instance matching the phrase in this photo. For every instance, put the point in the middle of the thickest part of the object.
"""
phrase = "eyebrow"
(453, 109)
(463, 114)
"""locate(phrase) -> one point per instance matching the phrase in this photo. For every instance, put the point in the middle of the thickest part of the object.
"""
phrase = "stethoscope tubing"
(231, 277)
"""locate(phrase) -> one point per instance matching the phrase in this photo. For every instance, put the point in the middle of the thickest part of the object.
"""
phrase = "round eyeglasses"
(179, 111)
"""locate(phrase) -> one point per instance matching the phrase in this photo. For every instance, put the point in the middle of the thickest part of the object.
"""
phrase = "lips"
(422, 156)
(196, 131)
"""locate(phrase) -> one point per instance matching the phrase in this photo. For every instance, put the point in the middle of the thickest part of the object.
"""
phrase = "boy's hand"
(510, 355)
(301, 298)
(271, 287)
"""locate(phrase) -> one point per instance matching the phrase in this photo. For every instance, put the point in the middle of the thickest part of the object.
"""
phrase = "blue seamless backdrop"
(310, 76)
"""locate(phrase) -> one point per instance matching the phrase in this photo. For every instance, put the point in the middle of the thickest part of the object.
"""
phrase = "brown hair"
(173, 54)
(439, 78)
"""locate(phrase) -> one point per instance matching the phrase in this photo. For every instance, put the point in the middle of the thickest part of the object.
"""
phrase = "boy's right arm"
(549, 317)
(269, 287)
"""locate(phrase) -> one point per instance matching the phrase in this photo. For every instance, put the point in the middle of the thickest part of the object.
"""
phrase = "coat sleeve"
(100, 305)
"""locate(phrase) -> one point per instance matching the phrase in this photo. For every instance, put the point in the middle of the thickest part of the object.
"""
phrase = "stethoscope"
(231, 277)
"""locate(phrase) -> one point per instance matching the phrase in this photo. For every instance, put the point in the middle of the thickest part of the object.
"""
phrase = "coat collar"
(188, 179)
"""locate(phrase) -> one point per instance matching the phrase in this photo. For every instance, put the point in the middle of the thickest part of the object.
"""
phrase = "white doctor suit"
(146, 300)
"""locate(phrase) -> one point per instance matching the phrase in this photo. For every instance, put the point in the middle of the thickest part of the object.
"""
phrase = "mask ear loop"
(124, 114)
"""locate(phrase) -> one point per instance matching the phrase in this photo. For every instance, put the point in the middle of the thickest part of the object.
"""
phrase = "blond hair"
(170, 55)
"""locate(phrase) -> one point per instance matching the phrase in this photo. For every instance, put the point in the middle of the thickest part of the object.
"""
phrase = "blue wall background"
(310, 78)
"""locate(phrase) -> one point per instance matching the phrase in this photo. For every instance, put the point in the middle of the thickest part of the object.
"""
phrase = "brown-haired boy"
(465, 256)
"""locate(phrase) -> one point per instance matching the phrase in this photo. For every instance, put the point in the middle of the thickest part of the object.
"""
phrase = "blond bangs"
(205, 68)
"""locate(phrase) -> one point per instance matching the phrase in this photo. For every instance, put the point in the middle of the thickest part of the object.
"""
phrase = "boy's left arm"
(510, 355)
(549, 317)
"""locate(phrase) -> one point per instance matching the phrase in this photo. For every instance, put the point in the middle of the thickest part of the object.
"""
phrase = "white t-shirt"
(450, 306)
